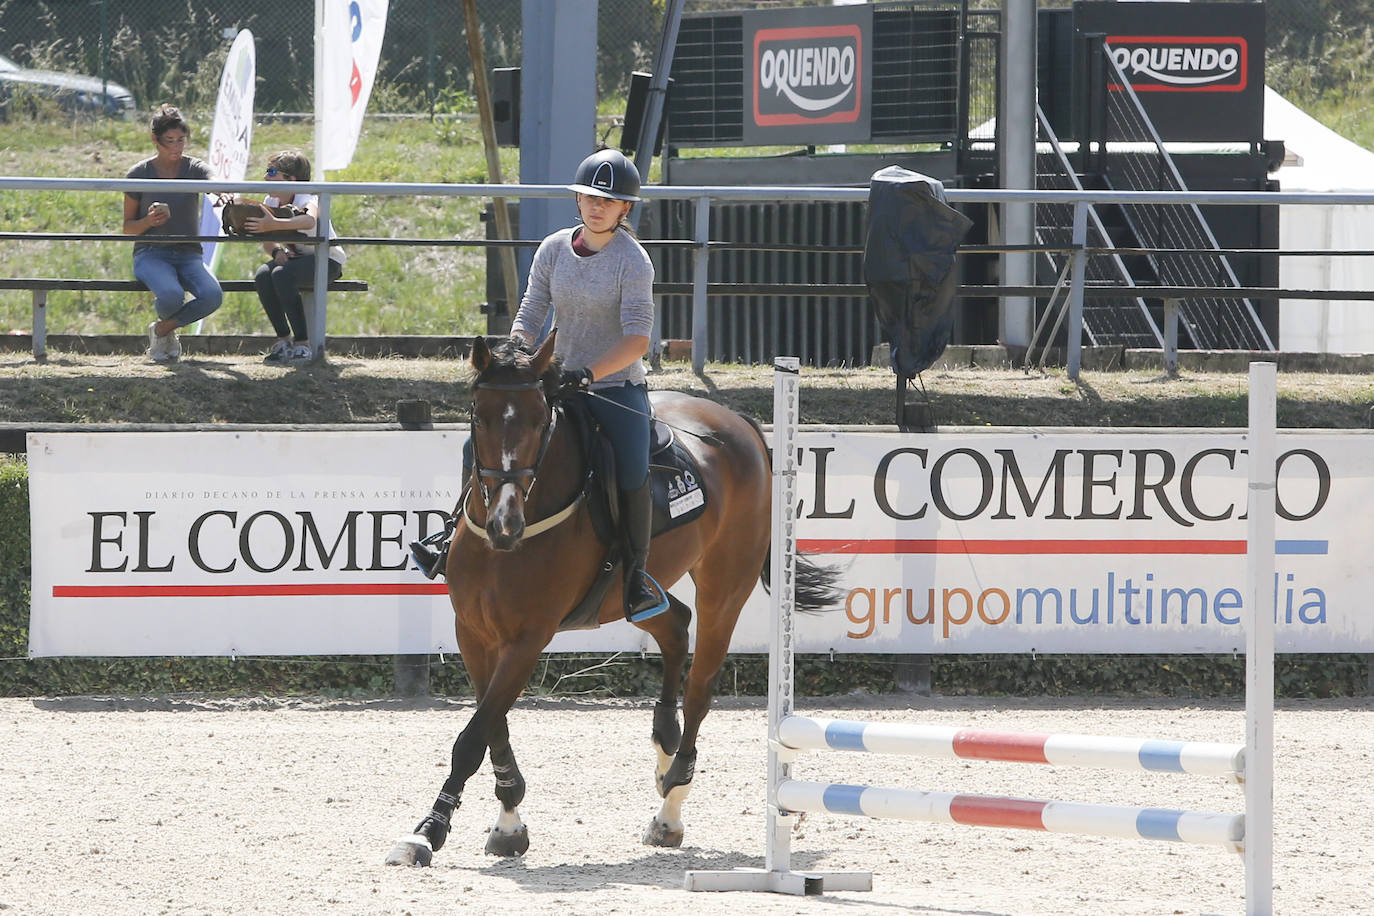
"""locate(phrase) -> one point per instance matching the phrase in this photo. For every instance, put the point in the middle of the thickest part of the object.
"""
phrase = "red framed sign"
(808, 74)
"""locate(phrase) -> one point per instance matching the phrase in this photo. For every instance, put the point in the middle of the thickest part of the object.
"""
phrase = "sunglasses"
(273, 171)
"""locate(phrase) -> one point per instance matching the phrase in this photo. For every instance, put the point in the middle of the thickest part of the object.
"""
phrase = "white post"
(776, 875)
(1259, 644)
(319, 88)
(778, 851)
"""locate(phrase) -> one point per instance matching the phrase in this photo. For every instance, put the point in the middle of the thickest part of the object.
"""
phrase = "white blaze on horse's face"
(508, 456)
(511, 436)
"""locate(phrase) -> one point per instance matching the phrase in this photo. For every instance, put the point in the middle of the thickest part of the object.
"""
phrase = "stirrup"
(657, 608)
(430, 560)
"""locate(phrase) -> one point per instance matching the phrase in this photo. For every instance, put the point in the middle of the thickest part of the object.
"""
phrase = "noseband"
(522, 477)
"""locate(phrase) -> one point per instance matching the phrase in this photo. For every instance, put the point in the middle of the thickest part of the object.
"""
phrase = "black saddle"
(675, 484)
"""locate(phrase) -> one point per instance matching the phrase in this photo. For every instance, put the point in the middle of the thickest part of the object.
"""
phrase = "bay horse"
(526, 554)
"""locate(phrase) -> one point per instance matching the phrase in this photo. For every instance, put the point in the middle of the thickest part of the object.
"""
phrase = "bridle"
(525, 477)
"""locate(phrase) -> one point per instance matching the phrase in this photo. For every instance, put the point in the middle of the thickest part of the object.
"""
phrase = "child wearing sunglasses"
(291, 267)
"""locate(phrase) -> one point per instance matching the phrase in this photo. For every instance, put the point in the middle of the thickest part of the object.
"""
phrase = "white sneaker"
(157, 346)
(173, 346)
(277, 355)
(300, 354)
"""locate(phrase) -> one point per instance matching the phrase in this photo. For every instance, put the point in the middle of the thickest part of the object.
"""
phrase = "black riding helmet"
(607, 173)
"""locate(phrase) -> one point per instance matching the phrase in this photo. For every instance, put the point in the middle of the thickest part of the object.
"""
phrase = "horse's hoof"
(662, 833)
(411, 850)
(515, 843)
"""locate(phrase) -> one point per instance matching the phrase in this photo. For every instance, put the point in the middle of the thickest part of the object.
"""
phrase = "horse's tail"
(817, 587)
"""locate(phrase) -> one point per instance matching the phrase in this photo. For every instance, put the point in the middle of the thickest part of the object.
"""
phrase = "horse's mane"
(510, 362)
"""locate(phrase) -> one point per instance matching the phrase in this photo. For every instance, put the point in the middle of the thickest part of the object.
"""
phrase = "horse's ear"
(481, 354)
(544, 355)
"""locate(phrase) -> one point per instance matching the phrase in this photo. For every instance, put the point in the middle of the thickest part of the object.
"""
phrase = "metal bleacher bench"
(42, 285)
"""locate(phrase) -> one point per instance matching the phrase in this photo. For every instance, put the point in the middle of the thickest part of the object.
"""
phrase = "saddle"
(235, 214)
(675, 484)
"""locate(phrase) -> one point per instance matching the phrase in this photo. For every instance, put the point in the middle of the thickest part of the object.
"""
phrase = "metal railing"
(704, 196)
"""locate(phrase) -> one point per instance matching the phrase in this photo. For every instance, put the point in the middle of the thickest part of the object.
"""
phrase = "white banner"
(231, 134)
(349, 45)
(285, 543)
(1078, 542)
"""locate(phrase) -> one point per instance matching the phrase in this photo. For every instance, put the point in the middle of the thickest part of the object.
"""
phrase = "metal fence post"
(700, 256)
(320, 305)
(1080, 264)
(1171, 337)
(410, 673)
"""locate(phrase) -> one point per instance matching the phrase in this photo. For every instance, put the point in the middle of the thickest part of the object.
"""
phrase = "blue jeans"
(628, 430)
(170, 274)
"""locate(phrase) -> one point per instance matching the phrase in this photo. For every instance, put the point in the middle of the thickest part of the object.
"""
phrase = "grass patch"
(79, 388)
(414, 289)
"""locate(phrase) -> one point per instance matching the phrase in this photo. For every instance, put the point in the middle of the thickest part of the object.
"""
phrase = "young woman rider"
(597, 280)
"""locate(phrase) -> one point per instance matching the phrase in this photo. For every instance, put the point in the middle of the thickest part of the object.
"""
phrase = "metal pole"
(1259, 644)
(105, 52)
(410, 673)
(658, 92)
(509, 273)
(1080, 264)
(320, 306)
(1171, 337)
(700, 263)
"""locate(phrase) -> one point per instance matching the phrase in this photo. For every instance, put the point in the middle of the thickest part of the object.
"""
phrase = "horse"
(525, 553)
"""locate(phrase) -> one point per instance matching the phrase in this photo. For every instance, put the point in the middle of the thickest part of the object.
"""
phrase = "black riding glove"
(575, 380)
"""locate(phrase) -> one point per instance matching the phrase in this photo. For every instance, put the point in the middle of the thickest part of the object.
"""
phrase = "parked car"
(87, 95)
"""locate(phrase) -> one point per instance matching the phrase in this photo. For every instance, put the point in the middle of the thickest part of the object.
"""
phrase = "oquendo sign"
(808, 75)
(1197, 68)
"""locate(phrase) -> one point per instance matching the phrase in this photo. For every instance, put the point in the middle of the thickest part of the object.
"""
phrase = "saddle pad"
(676, 484)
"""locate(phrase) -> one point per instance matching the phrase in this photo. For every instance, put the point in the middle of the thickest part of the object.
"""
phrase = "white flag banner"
(231, 134)
(349, 45)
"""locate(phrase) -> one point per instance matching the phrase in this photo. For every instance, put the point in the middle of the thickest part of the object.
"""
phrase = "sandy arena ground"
(245, 806)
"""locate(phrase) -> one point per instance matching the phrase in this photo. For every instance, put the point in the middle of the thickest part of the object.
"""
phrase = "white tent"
(1319, 159)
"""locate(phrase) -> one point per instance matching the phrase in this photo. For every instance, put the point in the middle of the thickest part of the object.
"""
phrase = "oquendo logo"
(804, 75)
(1154, 63)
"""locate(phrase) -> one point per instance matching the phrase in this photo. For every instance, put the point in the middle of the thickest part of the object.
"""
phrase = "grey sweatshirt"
(596, 300)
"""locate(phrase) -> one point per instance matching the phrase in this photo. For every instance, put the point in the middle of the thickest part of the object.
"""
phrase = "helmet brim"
(601, 192)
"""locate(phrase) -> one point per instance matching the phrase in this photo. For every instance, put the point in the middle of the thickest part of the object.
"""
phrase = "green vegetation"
(414, 289)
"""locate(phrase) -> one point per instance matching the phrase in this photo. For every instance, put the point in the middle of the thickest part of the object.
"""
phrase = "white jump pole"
(1254, 830)
(1259, 643)
(776, 875)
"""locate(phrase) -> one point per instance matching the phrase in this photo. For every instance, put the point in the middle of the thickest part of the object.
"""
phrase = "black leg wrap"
(681, 772)
(434, 826)
(510, 785)
(667, 732)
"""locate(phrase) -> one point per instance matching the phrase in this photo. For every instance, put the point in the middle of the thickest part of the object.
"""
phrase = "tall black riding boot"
(431, 554)
(636, 523)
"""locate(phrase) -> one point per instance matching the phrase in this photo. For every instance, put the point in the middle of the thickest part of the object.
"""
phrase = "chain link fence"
(174, 50)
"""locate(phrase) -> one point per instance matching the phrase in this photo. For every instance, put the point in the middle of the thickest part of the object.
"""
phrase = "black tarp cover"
(909, 252)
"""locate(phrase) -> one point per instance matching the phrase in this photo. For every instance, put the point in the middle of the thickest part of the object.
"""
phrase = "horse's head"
(512, 421)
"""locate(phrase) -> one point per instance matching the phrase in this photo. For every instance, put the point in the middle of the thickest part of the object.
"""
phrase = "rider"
(598, 280)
